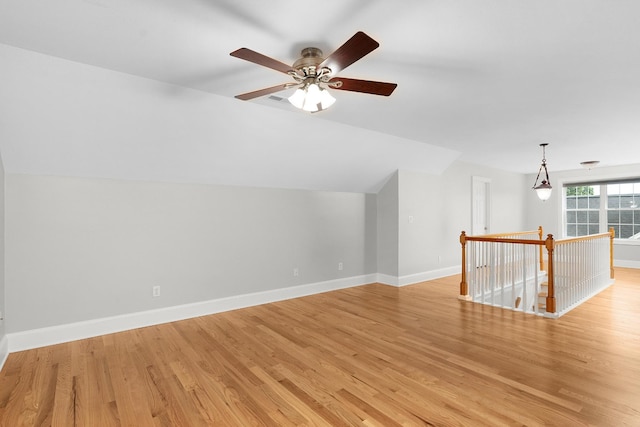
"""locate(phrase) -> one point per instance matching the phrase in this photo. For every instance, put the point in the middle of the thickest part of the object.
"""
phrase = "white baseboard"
(387, 279)
(35, 338)
(418, 277)
(4, 350)
(626, 263)
(428, 275)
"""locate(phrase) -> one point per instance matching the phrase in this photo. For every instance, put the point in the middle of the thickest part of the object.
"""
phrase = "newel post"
(464, 287)
(551, 298)
(612, 234)
(540, 238)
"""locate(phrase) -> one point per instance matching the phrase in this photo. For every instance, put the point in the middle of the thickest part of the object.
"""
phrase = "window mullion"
(604, 205)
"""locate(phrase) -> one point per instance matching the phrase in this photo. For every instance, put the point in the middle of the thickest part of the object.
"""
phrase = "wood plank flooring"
(372, 355)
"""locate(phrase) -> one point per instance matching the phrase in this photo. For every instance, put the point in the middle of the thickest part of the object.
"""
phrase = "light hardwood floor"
(372, 355)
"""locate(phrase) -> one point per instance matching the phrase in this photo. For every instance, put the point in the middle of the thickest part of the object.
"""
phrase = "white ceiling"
(485, 81)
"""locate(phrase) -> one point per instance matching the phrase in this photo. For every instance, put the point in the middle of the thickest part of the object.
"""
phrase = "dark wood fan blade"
(353, 49)
(266, 91)
(260, 59)
(364, 86)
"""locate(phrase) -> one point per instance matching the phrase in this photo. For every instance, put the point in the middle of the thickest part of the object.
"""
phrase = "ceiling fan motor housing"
(307, 65)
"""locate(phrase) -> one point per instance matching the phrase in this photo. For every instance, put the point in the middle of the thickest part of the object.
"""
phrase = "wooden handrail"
(517, 233)
(504, 240)
(581, 238)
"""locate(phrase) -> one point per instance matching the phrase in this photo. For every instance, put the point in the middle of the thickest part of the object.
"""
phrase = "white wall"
(81, 249)
(549, 213)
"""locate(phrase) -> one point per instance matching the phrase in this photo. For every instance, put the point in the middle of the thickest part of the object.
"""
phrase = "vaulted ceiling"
(145, 89)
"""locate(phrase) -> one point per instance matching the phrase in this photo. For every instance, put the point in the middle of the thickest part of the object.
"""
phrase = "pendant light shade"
(543, 190)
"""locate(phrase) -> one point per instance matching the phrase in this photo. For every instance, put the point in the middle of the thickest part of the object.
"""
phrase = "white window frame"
(603, 204)
(602, 228)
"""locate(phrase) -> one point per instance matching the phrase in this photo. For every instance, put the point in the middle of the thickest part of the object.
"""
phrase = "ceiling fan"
(313, 74)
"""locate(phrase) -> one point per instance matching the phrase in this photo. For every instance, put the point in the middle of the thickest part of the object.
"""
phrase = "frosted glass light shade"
(312, 98)
(297, 99)
(544, 191)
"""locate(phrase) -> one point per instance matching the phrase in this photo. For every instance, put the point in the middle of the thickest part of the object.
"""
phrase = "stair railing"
(577, 268)
(503, 269)
(583, 267)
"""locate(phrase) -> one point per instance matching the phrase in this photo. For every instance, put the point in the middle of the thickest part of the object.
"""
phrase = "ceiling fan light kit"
(311, 94)
(311, 98)
(544, 189)
(314, 75)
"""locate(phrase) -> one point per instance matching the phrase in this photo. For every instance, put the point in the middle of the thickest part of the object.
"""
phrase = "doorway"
(480, 205)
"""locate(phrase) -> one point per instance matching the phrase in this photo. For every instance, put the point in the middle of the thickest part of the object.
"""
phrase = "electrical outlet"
(156, 291)
(340, 266)
(296, 273)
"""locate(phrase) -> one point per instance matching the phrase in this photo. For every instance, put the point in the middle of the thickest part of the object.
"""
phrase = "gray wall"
(435, 209)
(419, 207)
(80, 249)
(2, 245)
(420, 216)
(548, 213)
(387, 227)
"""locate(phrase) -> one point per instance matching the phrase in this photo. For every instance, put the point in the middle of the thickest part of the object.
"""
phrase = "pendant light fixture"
(544, 189)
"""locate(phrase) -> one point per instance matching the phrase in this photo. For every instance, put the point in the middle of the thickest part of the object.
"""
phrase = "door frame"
(486, 182)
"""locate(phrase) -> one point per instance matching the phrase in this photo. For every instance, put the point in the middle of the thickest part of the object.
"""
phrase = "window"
(594, 208)
(622, 209)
